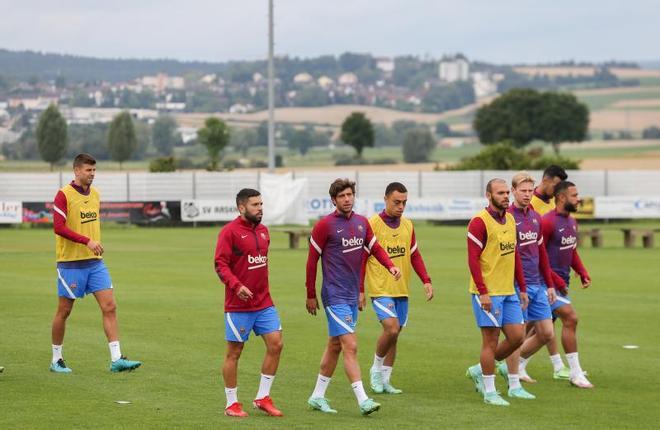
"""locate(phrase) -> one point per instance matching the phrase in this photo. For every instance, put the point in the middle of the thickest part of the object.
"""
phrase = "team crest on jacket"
(390, 305)
(242, 330)
(360, 227)
(263, 235)
(349, 319)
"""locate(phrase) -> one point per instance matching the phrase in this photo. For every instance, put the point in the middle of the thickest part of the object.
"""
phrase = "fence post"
(606, 180)
(128, 187)
(194, 185)
(419, 184)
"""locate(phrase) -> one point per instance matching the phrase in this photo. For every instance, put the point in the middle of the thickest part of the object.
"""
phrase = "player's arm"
(60, 212)
(578, 266)
(546, 272)
(317, 242)
(419, 267)
(223, 253)
(476, 241)
(520, 279)
(372, 247)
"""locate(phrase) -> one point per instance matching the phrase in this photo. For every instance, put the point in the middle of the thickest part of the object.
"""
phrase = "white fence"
(123, 187)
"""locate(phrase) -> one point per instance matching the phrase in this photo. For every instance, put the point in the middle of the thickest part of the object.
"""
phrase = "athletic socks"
(378, 362)
(264, 386)
(489, 383)
(322, 383)
(514, 381)
(574, 364)
(387, 374)
(557, 363)
(358, 390)
(232, 396)
(522, 366)
(115, 350)
(57, 353)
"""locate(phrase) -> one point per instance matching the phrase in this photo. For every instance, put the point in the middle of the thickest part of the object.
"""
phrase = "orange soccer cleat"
(266, 405)
(236, 410)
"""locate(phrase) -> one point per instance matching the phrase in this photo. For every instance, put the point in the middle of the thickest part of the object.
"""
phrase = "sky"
(497, 31)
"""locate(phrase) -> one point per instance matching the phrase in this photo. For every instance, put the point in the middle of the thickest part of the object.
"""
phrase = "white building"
(241, 108)
(161, 81)
(303, 78)
(453, 70)
(385, 64)
(484, 85)
(348, 79)
(325, 82)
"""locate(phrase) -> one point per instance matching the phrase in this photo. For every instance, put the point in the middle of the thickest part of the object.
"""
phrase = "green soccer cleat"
(495, 399)
(389, 389)
(503, 370)
(474, 373)
(124, 364)
(320, 404)
(2, 369)
(369, 406)
(59, 367)
(521, 393)
(376, 380)
(563, 374)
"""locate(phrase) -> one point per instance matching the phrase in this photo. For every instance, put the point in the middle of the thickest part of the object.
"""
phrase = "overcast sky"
(501, 31)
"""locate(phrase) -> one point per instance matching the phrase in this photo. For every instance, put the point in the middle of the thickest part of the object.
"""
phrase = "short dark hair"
(562, 187)
(554, 171)
(84, 158)
(489, 185)
(395, 186)
(244, 195)
(339, 185)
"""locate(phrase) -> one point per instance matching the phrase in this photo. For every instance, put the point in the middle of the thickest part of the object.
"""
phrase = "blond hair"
(521, 177)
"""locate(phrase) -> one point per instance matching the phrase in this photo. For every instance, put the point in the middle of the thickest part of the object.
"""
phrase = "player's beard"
(500, 206)
(254, 219)
(570, 207)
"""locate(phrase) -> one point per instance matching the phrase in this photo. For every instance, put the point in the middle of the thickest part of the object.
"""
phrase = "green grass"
(603, 101)
(170, 311)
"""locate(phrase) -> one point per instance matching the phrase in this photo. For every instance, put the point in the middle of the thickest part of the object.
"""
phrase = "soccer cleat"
(521, 393)
(320, 404)
(236, 410)
(389, 389)
(2, 369)
(581, 381)
(123, 364)
(369, 406)
(474, 373)
(524, 377)
(563, 374)
(59, 367)
(503, 370)
(266, 405)
(494, 398)
(376, 380)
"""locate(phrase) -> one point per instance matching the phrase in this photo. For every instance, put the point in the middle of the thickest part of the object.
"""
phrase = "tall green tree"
(418, 145)
(215, 136)
(563, 119)
(358, 132)
(164, 135)
(122, 139)
(242, 139)
(52, 137)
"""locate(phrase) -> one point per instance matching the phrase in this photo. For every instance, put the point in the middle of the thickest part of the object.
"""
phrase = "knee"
(109, 307)
(570, 321)
(517, 340)
(334, 346)
(391, 331)
(233, 354)
(275, 347)
(545, 335)
(350, 348)
(63, 313)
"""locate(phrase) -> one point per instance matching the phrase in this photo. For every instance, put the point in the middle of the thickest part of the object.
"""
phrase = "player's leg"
(64, 307)
(352, 367)
(559, 368)
(329, 361)
(267, 325)
(230, 376)
(386, 341)
(401, 304)
(569, 321)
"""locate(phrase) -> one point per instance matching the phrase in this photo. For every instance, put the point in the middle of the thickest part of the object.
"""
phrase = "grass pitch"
(170, 313)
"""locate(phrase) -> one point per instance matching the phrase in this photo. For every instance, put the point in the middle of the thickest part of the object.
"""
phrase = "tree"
(563, 119)
(122, 140)
(242, 139)
(302, 140)
(357, 131)
(164, 135)
(215, 136)
(52, 135)
(442, 129)
(418, 145)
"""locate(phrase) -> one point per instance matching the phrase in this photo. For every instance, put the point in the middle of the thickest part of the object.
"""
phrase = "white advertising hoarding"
(627, 207)
(11, 212)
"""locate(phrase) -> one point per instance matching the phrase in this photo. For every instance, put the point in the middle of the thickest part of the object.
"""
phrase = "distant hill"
(22, 65)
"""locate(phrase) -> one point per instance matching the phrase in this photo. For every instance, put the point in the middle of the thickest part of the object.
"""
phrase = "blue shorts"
(238, 325)
(342, 319)
(504, 310)
(77, 279)
(562, 300)
(538, 308)
(391, 307)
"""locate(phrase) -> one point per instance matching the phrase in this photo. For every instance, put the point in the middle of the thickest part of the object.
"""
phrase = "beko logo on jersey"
(530, 235)
(396, 251)
(568, 240)
(257, 259)
(507, 247)
(88, 215)
(353, 241)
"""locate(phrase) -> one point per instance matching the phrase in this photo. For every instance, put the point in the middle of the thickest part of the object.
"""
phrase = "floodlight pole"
(271, 92)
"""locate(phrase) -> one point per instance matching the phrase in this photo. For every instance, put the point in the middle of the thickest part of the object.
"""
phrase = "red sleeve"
(476, 240)
(417, 261)
(576, 264)
(544, 265)
(520, 275)
(223, 252)
(363, 270)
(373, 247)
(547, 226)
(59, 221)
(317, 242)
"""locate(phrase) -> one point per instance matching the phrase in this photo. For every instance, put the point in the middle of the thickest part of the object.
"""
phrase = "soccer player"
(389, 297)
(543, 201)
(560, 236)
(241, 262)
(494, 263)
(536, 269)
(80, 266)
(342, 240)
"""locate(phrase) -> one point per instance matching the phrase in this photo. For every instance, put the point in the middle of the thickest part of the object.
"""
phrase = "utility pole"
(271, 92)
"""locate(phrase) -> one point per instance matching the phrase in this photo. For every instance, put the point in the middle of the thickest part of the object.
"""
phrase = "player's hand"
(95, 246)
(244, 293)
(524, 301)
(362, 302)
(552, 296)
(396, 272)
(428, 288)
(312, 305)
(486, 304)
(586, 282)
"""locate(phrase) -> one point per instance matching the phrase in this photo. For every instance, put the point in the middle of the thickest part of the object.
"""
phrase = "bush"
(232, 164)
(503, 156)
(651, 133)
(418, 145)
(162, 164)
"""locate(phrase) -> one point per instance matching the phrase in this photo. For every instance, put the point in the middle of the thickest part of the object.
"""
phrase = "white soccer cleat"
(524, 377)
(581, 381)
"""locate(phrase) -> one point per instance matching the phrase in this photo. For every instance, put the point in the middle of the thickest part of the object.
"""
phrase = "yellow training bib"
(541, 206)
(396, 242)
(83, 216)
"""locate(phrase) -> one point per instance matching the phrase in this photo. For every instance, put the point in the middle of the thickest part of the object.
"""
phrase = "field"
(170, 311)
